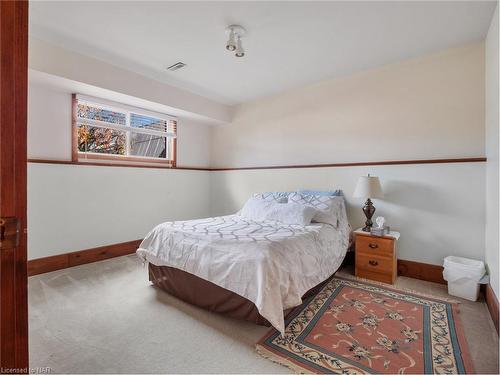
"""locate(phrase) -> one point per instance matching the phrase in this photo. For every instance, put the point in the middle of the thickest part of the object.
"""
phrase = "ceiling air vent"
(176, 66)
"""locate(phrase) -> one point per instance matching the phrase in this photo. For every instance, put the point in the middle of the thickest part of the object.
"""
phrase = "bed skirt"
(211, 297)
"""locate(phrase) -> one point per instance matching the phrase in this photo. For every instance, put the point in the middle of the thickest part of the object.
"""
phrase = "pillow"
(291, 213)
(333, 193)
(256, 208)
(287, 213)
(328, 209)
(278, 196)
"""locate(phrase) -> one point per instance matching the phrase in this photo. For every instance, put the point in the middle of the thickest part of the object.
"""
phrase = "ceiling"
(289, 44)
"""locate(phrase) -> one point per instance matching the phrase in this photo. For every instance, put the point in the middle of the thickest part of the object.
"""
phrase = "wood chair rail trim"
(216, 169)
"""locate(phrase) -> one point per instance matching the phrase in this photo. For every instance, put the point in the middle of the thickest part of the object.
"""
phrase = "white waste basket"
(463, 276)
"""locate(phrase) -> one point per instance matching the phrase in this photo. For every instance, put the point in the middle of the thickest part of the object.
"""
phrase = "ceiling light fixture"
(231, 44)
(240, 52)
(236, 32)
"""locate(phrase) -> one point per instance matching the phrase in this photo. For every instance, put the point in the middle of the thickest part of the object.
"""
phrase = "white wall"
(193, 141)
(428, 107)
(492, 144)
(425, 108)
(436, 211)
(73, 207)
(49, 129)
(79, 207)
(49, 123)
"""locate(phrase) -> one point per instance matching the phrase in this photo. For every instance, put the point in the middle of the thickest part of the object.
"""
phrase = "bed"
(245, 268)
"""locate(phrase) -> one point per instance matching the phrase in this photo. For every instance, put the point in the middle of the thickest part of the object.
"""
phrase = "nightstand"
(376, 257)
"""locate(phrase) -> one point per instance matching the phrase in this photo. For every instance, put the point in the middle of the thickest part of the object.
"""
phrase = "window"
(109, 131)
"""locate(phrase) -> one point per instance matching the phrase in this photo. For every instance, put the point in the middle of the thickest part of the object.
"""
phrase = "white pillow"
(291, 213)
(256, 208)
(286, 213)
(275, 196)
(328, 209)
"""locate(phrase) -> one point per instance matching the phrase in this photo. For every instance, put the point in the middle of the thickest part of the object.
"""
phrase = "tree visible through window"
(117, 132)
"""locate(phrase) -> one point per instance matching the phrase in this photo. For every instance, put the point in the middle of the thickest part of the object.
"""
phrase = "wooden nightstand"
(376, 257)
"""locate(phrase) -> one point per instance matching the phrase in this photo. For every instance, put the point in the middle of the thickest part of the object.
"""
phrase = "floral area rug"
(361, 328)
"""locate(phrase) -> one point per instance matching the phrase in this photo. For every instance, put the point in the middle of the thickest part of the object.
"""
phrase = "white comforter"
(269, 263)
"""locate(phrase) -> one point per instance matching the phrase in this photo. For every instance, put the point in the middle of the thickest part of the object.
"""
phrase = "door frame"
(13, 181)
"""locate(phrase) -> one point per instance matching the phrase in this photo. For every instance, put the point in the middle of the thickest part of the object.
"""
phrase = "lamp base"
(369, 210)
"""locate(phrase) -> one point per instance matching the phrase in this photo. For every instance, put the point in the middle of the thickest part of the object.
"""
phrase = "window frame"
(81, 157)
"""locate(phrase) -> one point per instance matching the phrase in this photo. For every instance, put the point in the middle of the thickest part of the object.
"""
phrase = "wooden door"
(13, 134)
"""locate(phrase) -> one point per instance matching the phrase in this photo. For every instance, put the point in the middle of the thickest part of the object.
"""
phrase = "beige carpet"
(106, 318)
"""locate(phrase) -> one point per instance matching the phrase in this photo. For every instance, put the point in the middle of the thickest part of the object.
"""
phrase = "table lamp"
(368, 187)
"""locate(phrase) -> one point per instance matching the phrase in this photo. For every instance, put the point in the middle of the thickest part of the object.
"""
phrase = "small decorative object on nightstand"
(376, 257)
(368, 187)
(381, 229)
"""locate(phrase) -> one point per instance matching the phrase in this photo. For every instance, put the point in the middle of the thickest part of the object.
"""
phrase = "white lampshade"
(368, 187)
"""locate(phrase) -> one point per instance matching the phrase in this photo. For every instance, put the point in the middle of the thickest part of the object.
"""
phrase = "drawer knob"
(373, 263)
(373, 246)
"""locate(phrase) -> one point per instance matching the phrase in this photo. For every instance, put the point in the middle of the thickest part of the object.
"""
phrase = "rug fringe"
(279, 360)
(395, 288)
(284, 358)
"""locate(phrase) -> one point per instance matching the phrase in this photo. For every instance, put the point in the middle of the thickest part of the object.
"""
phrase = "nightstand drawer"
(374, 263)
(375, 245)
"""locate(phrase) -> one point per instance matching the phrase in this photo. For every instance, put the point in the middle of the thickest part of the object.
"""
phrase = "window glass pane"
(101, 140)
(151, 146)
(146, 122)
(95, 113)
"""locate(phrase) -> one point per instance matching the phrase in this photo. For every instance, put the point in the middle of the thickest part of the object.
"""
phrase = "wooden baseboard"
(416, 270)
(492, 303)
(76, 258)
(434, 273)
(421, 271)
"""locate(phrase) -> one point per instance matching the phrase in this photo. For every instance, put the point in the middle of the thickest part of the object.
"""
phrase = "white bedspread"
(269, 263)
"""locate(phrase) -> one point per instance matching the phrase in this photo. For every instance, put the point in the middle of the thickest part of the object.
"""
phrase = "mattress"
(269, 263)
